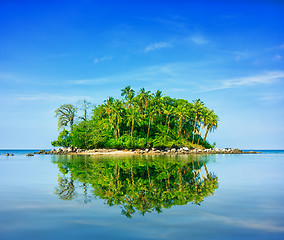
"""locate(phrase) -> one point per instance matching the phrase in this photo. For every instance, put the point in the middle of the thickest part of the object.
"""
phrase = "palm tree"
(203, 120)
(66, 115)
(108, 108)
(168, 110)
(211, 123)
(132, 115)
(181, 111)
(84, 105)
(117, 115)
(197, 110)
(143, 100)
(128, 92)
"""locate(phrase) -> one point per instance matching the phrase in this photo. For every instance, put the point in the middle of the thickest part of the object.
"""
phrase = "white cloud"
(102, 59)
(199, 39)
(277, 57)
(272, 98)
(157, 45)
(48, 97)
(238, 58)
(250, 224)
(266, 78)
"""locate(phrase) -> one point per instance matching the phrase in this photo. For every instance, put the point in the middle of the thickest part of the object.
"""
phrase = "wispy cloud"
(250, 224)
(158, 45)
(199, 39)
(281, 46)
(102, 59)
(49, 97)
(272, 98)
(277, 57)
(266, 78)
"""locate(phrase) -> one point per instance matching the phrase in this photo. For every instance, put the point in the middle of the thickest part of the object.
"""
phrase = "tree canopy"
(139, 120)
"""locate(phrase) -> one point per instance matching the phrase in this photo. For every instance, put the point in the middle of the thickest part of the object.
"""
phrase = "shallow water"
(63, 197)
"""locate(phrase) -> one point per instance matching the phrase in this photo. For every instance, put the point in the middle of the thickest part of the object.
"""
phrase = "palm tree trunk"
(195, 121)
(200, 132)
(132, 127)
(149, 125)
(168, 124)
(180, 125)
(207, 130)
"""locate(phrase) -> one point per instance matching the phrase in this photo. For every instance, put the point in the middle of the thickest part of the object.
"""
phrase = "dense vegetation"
(137, 184)
(137, 120)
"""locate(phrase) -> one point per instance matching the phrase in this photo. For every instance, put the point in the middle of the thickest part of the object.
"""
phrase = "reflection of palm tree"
(142, 186)
(65, 189)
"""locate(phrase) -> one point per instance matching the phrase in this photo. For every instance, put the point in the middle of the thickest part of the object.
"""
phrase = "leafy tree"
(63, 139)
(66, 115)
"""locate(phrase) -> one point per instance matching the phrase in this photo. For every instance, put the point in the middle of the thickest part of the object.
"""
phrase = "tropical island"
(136, 121)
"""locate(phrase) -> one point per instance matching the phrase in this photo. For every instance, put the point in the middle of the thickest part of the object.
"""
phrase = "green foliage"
(138, 185)
(139, 121)
(63, 139)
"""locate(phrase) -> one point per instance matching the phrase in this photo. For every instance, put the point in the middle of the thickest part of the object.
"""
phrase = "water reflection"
(137, 184)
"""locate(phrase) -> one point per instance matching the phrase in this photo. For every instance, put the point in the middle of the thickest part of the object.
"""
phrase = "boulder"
(29, 154)
(12, 154)
(7, 154)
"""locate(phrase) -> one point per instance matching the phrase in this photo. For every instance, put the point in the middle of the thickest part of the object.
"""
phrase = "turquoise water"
(64, 197)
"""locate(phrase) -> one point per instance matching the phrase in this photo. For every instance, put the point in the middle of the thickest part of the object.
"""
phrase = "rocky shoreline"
(147, 151)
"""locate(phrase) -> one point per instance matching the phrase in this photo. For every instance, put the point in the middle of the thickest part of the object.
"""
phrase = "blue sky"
(230, 54)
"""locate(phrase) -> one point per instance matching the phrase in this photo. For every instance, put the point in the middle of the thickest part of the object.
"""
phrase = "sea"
(222, 196)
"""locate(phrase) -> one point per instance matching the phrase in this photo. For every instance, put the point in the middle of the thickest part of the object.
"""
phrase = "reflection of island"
(142, 185)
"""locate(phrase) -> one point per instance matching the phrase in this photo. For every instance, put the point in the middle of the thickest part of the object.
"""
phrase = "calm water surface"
(205, 197)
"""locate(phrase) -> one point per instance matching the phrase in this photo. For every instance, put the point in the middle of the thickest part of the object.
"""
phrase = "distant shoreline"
(152, 151)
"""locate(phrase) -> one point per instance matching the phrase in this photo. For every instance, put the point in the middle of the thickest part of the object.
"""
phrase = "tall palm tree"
(66, 115)
(108, 108)
(168, 110)
(197, 110)
(128, 92)
(117, 115)
(143, 100)
(203, 120)
(84, 105)
(132, 115)
(211, 123)
(181, 111)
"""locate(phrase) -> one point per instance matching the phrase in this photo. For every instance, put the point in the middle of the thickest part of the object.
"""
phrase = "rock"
(185, 148)
(29, 154)
(41, 151)
(59, 150)
(146, 150)
(173, 150)
(12, 154)
(7, 154)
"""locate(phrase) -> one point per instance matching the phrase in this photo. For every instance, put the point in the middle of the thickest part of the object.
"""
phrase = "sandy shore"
(152, 151)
